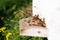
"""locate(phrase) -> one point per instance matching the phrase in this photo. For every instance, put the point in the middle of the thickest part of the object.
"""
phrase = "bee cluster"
(35, 21)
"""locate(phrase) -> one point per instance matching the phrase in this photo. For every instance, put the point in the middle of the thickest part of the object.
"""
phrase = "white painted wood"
(50, 9)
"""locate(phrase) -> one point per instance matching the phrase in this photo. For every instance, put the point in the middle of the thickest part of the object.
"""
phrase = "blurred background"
(11, 11)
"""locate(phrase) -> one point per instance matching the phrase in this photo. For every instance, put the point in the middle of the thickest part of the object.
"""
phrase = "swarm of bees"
(37, 21)
(34, 21)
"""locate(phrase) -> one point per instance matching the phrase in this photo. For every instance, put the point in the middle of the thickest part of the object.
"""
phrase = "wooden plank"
(26, 30)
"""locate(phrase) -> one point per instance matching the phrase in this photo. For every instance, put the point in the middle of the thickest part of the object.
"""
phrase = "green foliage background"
(11, 11)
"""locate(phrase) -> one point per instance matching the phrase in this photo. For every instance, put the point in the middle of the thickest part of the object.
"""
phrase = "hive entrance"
(33, 26)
